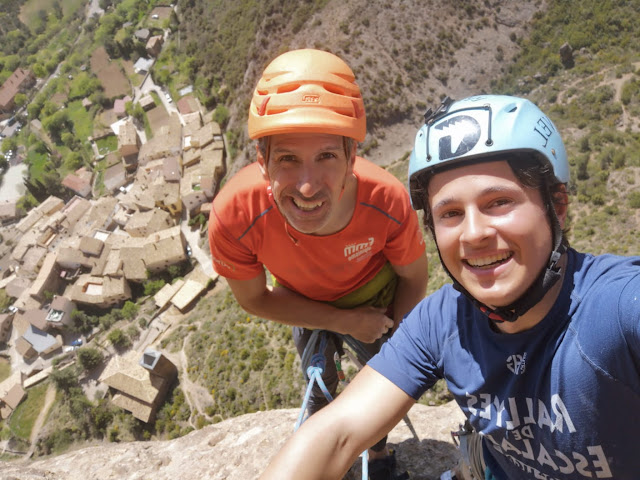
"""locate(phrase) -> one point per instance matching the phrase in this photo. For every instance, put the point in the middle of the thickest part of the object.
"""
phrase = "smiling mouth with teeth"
(489, 262)
(306, 206)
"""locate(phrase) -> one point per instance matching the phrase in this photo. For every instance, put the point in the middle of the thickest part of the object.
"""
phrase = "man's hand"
(366, 324)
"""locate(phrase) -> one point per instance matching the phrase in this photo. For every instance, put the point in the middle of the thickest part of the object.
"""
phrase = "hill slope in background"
(406, 55)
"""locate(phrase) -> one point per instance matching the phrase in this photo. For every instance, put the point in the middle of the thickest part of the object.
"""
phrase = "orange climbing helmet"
(307, 91)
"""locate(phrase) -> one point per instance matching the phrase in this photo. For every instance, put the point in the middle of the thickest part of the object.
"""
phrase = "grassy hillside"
(595, 102)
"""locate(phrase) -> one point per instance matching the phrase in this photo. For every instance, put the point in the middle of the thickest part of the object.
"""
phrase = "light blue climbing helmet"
(482, 127)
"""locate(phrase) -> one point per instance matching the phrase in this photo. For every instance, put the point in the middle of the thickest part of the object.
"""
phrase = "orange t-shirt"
(247, 233)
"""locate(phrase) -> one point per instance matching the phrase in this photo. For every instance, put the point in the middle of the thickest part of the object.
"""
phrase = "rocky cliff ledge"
(238, 449)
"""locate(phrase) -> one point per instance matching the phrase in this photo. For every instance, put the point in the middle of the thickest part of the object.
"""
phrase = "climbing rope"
(313, 374)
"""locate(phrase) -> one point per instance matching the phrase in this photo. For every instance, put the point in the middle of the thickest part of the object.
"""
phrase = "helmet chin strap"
(545, 280)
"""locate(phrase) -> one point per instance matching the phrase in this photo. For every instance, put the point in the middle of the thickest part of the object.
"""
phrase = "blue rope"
(314, 374)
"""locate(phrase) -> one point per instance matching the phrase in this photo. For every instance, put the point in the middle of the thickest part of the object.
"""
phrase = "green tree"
(57, 123)
(73, 161)
(20, 100)
(5, 299)
(153, 286)
(161, 76)
(11, 62)
(138, 113)
(9, 144)
(221, 115)
(118, 338)
(35, 107)
(82, 323)
(64, 379)
(57, 9)
(129, 310)
(68, 139)
(53, 183)
(26, 203)
(39, 70)
(84, 85)
(89, 358)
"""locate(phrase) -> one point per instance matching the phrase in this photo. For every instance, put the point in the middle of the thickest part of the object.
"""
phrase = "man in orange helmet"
(336, 232)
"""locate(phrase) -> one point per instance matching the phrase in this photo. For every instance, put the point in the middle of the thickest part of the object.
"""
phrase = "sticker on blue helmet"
(458, 136)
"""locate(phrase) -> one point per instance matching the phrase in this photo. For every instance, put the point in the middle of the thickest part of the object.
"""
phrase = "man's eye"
(327, 155)
(501, 201)
(286, 158)
(450, 214)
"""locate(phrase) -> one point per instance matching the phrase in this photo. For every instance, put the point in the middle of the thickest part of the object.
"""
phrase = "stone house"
(154, 45)
(143, 224)
(120, 106)
(36, 342)
(187, 295)
(10, 400)
(165, 248)
(165, 143)
(101, 292)
(142, 35)
(59, 314)
(171, 169)
(8, 211)
(128, 140)
(115, 176)
(147, 102)
(48, 279)
(18, 82)
(139, 383)
(79, 182)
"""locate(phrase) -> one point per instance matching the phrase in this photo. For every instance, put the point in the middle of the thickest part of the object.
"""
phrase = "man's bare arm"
(412, 287)
(328, 443)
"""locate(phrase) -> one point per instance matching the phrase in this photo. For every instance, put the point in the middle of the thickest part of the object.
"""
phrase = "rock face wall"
(239, 449)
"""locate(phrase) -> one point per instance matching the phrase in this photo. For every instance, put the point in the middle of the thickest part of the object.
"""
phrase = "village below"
(127, 237)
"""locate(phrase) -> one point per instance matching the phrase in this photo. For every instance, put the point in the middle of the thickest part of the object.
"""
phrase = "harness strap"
(314, 373)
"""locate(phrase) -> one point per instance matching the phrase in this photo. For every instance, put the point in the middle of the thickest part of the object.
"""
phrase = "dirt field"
(158, 118)
(29, 11)
(163, 12)
(109, 73)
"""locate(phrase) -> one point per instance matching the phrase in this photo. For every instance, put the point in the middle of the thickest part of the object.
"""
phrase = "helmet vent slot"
(288, 88)
(333, 89)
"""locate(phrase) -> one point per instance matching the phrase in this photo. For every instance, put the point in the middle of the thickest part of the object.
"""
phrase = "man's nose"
(308, 181)
(475, 227)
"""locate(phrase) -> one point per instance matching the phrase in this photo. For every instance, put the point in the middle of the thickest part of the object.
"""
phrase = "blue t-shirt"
(558, 401)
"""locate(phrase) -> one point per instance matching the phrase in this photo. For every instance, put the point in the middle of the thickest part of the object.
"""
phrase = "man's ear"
(262, 163)
(560, 198)
(352, 155)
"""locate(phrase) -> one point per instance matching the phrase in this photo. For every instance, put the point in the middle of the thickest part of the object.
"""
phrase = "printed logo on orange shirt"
(356, 251)
(223, 264)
